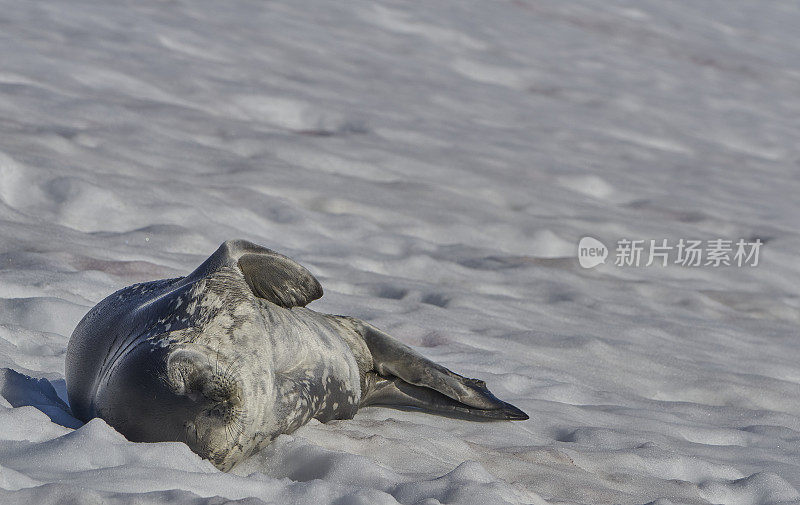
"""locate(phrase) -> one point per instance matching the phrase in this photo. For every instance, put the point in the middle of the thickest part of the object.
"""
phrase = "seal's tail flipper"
(405, 378)
(397, 393)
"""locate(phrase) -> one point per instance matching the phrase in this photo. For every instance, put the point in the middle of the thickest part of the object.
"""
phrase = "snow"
(434, 165)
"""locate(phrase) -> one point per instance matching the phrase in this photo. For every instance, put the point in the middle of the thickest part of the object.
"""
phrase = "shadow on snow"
(21, 390)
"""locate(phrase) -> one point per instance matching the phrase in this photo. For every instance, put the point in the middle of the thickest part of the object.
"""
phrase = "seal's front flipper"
(425, 384)
(270, 275)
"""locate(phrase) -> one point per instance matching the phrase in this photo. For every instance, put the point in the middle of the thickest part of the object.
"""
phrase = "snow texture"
(434, 164)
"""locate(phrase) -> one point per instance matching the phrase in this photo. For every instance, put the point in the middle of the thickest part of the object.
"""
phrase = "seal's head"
(178, 393)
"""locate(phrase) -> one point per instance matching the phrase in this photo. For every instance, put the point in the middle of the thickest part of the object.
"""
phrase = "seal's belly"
(316, 373)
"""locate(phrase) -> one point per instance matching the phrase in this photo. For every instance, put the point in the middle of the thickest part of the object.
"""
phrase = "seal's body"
(227, 358)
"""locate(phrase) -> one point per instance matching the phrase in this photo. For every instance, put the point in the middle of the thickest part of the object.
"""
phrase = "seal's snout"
(215, 420)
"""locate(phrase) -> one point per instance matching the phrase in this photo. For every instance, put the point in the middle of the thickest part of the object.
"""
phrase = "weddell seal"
(227, 358)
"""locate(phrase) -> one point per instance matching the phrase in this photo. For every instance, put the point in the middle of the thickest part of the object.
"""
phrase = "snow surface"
(434, 164)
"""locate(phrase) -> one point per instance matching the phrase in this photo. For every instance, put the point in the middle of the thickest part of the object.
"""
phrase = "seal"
(228, 357)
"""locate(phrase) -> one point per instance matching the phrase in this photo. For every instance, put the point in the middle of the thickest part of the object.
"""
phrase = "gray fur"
(227, 358)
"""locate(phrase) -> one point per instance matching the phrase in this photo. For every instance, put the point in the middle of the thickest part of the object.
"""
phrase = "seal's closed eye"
(191, 373)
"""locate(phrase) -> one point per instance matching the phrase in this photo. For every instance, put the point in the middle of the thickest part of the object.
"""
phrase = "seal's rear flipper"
(397, 393)
(425, 384)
